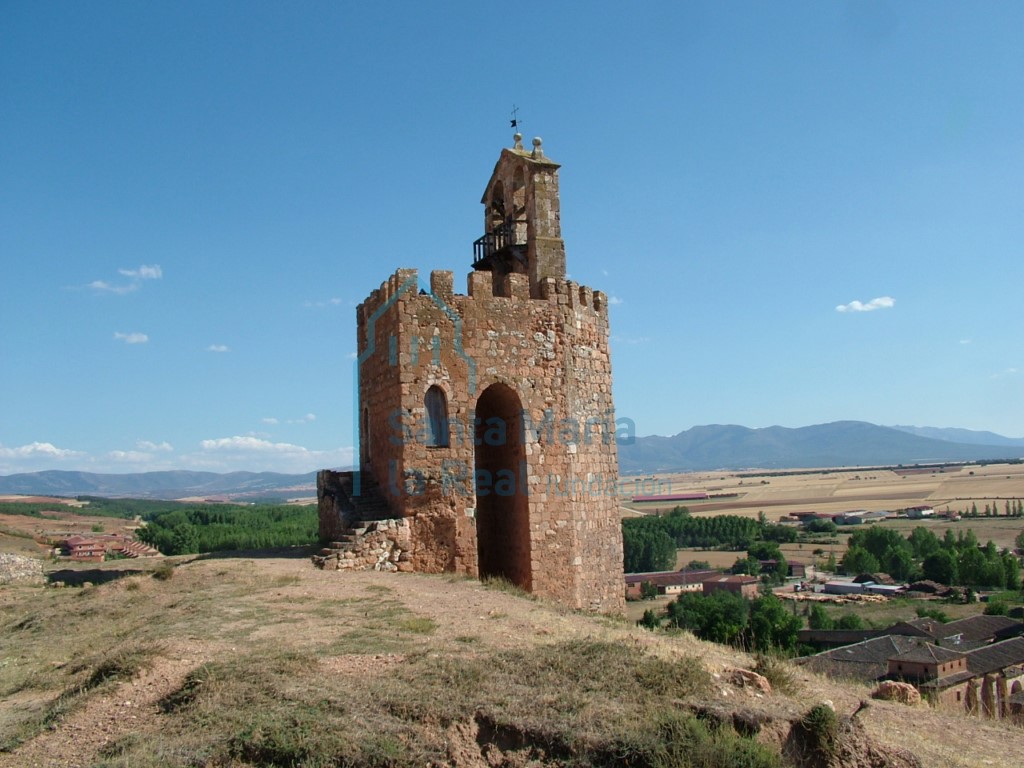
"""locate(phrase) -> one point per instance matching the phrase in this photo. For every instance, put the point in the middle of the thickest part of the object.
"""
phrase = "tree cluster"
(650, 542)
(215, 528)
(820, 525)
(725, 617)
(757, 553)
(1011, 508)
(955, 559)
(818, 618)
(646, 545)
(26, 509)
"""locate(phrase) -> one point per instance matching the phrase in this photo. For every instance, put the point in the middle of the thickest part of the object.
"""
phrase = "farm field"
(834, 490)
(953, 488)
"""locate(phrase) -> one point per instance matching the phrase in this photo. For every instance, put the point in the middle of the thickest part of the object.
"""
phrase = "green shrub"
(818, 730)
(996, 608)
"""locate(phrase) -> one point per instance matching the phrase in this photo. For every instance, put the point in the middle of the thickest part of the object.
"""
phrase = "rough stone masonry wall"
(534, 204)
(17, 569)
(383, 546)
(553, 352)
(333, 517)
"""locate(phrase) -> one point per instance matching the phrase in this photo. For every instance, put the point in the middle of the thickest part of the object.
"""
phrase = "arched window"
(496, 213)
(436, 406)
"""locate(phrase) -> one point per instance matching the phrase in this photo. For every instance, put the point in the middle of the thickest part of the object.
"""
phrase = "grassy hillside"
(263, 660)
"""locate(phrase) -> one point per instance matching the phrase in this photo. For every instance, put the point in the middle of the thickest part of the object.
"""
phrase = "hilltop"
(261, 659)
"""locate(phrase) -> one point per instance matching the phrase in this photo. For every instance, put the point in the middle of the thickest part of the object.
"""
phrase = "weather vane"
(515, 117)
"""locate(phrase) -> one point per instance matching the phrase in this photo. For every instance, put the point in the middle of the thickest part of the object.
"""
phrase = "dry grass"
(271, 662)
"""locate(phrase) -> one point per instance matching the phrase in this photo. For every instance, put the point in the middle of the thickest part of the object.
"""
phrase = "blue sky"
(194, 197)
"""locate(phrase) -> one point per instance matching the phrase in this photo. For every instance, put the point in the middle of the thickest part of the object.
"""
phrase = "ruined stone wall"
(383, 546)
(333, 514)
(18, 569)
(552, 351)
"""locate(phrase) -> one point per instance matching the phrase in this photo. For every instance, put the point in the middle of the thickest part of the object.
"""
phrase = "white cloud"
(334, 301)
(631, 339)
(104, 287)
(131, 338)
(146, 445)
(239, 443)
(309, 417)
(38, 449)
(1005, 372)
(218, 348)
(144, 272)
(34, 457)
(255, 454)
(353, 355)
(965, 341)
(230, 454)
(882, 302)
(130, 457)
(614, 300)
(136, 276)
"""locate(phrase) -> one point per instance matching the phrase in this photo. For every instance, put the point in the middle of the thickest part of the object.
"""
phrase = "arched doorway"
(502, 511)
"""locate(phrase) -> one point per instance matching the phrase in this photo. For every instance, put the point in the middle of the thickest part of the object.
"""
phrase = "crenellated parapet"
(404, 285)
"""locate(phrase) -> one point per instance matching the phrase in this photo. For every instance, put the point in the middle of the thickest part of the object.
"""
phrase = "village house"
(966, 664)
(86, 549)
(919, 512)
(926, 662)
(993, 674)
(96, 548)
(667, 582)
(745, 586)
(801, 570)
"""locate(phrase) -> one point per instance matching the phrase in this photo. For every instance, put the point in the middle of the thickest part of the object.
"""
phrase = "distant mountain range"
(178, 484)
(965, 436)
(838, 444)
(716, 446)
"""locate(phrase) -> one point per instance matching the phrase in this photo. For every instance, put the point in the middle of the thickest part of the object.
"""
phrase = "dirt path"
(131, 708)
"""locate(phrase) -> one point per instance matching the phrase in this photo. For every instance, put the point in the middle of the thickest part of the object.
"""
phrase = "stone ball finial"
(537, 151)
(518, 139)
(537, 141)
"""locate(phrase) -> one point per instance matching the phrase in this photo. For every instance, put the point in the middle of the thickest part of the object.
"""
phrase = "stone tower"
(486, 422)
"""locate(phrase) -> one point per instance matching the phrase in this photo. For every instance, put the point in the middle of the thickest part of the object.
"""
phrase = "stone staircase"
(363, 532)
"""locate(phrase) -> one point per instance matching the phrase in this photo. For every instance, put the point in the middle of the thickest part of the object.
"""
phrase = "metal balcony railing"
(498, 239)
